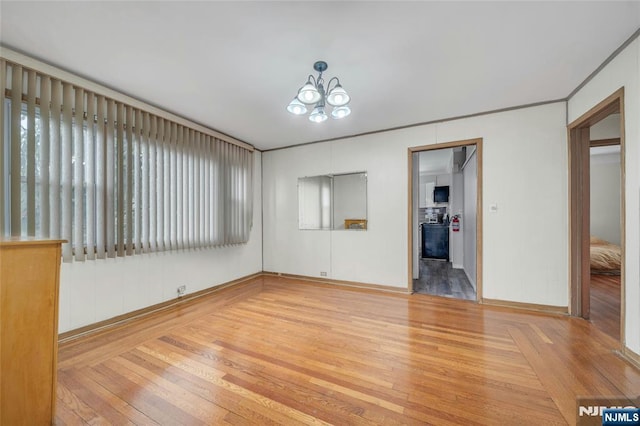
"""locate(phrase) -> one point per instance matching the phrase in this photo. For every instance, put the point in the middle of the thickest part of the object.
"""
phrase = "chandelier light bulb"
(338, 96)
(340, 112)
(318, 115)
(296, 107)
(309, 94)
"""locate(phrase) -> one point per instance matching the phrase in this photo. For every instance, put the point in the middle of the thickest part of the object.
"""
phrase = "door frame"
(579, 205)
(455, 144)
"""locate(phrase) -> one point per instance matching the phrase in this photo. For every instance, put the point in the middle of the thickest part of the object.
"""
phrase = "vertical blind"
(111, 179)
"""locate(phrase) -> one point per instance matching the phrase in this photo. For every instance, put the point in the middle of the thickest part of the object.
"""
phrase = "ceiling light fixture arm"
(312, 80)
(337, 81)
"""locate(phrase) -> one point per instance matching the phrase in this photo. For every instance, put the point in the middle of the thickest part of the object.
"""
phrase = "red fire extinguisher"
(455, 224)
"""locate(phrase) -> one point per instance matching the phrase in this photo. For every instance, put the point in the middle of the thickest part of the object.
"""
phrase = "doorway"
(594, 294)
(445, 217)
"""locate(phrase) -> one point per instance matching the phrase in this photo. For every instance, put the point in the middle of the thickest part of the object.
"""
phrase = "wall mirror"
(333, 202)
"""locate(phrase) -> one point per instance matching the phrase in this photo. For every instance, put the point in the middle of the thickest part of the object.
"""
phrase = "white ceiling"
(234, 66)
(435, 161)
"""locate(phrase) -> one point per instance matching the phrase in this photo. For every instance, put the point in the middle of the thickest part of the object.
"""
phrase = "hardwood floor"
(282, 351)
(605, 303)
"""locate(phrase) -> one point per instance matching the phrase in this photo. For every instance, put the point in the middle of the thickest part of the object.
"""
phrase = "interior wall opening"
(605, 234)
(444, 220)
(597, 219)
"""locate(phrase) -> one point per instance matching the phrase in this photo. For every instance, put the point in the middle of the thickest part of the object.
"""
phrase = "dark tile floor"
(439, 278)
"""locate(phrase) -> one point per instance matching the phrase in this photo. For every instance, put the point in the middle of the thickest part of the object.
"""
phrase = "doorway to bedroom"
(596, 152)
(605, 240)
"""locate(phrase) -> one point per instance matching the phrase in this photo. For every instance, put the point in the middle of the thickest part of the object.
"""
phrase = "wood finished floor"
(282, 351)
(605, 303)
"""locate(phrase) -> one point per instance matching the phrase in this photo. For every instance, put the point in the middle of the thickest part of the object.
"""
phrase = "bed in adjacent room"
(605, 257)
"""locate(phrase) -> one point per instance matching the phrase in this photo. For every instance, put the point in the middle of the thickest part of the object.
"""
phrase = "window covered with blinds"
(113, 179)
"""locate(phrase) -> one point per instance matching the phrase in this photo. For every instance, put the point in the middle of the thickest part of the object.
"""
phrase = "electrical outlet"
(181, 290)
(323, 274)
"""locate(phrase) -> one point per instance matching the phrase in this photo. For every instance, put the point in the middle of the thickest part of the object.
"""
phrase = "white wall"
(469, 217)
(623, 71)
(93, 291)
(456, 240)
(605, 196)
(524, 150)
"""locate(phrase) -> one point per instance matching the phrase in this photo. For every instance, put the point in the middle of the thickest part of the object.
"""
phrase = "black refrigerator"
(435, 241)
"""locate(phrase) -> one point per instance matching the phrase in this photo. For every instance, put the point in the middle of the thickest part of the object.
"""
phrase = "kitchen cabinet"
(435, 241)
(29, 281)
(427, 183)
(426, 195)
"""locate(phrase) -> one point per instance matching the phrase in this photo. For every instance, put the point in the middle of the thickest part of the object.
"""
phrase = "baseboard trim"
(67, 336)
(474, 284)
(129, 316)
(548, 309)
(342, 283)
(631, 357)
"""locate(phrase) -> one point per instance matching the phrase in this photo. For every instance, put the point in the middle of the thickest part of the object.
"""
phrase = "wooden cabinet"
(29, 281)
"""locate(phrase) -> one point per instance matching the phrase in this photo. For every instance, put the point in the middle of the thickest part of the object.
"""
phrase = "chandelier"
(314, 93)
